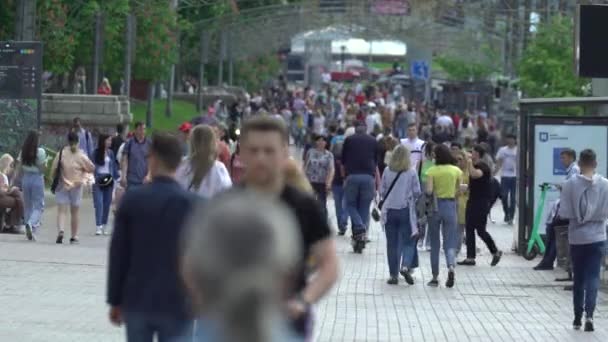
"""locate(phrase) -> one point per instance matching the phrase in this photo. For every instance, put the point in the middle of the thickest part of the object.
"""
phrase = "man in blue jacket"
(145, 290)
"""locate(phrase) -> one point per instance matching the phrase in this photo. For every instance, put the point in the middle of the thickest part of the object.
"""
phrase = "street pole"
(169, 107)
(230, 62)
(25, 20)
(204, 43)
(220, 69)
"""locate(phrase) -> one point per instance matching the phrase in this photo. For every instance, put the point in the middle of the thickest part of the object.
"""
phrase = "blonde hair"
(6, 163)
(203, 153)
(294, 176)
(400, 159)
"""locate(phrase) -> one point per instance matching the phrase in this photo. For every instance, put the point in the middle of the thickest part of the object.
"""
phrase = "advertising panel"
(552, 138)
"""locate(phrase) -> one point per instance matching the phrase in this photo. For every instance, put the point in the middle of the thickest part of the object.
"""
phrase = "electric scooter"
(535, 242)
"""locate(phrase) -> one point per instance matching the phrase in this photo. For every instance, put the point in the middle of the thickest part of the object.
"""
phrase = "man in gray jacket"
(584, 202)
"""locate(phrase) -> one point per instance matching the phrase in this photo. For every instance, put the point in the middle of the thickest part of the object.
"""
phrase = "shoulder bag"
(57, 176)
(376, 210)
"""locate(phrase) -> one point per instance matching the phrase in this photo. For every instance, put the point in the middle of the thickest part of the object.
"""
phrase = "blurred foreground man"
(145, 290)
(264, 150)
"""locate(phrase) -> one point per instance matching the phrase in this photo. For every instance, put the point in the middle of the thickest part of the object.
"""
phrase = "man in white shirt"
(373, 118)
(415, 145)
(506, 162)
(445, 121)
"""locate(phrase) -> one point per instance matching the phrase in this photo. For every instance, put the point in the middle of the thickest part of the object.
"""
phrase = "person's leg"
(512, 197)
(433, 236)
(471, 219)
(550, 251)
(107, 203)
(174, 330)
(351, 193)
(408, 242)
(391, 229)
(504, 191)
(98, 205)
(482, 231)
(26, 188)
(138, 328)
(74, 211)
(338, 193)
(449, 215)
(366, 196)
(37, 199)
(594, 257)
(322, 196)
(577, 255)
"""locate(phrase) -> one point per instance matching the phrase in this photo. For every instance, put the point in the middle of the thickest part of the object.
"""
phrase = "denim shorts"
(72, 197)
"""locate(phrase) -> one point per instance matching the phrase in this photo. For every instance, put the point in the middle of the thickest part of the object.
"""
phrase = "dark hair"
(100, 152)
(511, 136)
(568, 152)
(480, 149)
(138, 124)
(318, 137)
(587, 158)
(76, 121)
(120, 128)
(341, 131)
(73, 138)
(412, 124)
(443, 155)
(29, 150)
(265, 124)
(167, 148)
(429, 147)
(456, 144)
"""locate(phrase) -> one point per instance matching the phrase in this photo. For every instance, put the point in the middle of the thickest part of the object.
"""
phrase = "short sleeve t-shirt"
(138, 165)
(509, 161)
(445, 178)
(480, 189)
(318, 165)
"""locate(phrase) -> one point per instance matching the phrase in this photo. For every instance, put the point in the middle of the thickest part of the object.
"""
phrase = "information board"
(20, 92)
(553, 135)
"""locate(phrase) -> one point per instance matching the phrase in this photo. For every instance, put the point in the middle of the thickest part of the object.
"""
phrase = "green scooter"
(535, 242)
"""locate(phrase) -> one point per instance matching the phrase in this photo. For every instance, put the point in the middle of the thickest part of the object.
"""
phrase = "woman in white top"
(200, 172)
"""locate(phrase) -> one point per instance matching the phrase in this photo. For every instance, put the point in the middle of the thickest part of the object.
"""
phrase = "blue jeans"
(359, 193)
(550, 248)
(400, 245)
(32, 186)
(341, 212)
(142, 327)
(444, 220)
(508, 186)
(102, 201)
(586, 269)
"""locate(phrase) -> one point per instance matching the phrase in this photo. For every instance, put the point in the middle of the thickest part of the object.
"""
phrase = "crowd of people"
(232, 240)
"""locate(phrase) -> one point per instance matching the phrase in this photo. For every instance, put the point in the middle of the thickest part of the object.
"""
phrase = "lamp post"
(342, 55)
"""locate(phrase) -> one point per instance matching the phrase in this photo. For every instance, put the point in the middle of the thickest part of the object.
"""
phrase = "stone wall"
(98, 114)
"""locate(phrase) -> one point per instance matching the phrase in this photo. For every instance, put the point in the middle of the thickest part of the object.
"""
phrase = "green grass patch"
(182, 111)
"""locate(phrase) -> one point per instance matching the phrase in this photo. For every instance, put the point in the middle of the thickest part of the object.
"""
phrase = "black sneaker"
(577, 323)
(59, 238)
(393, 281)
(589, 325)
(74, 241)
(28, 232)
(341, 232)
(405, 273)
(496, 258)
(433, 283)
(540, 267)
(451, 278)
(466, 262)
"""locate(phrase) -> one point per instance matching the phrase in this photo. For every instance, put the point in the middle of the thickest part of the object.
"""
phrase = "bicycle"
(536, 244)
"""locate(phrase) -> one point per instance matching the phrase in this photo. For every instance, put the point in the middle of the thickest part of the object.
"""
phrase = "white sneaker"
(99, 230)
(104, 230)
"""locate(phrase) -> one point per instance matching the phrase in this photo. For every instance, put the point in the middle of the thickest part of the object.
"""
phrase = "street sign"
(420, 70)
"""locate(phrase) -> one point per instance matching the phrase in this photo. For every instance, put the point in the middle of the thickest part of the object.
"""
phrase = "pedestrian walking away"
(145, 290)
(200, 171)
(443, 182)
(584, 202)
(506, 163)
(33, 165)
(478, 207)
(106, 172)
(319, 169)
(399, 190)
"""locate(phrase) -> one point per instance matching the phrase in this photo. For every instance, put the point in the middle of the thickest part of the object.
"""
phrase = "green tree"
(545, 69)
(57, 36)
(469, 68)
(7, 19)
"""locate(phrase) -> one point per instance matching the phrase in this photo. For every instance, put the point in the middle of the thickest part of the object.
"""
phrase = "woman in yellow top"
(443, 181)
(463, 197)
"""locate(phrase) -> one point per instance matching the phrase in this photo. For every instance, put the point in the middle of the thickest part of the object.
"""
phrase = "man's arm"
(124, 168)
(326, 275)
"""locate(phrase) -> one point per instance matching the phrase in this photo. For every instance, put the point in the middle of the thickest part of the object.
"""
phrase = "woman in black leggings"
(478, 207)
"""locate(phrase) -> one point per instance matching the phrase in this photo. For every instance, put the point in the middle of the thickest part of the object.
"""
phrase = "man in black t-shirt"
(478, 207)
(264, 149)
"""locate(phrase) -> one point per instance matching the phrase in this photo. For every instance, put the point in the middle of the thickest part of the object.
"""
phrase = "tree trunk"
(150, 104)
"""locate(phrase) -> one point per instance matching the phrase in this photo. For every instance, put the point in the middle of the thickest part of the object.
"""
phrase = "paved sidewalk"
(51, 293)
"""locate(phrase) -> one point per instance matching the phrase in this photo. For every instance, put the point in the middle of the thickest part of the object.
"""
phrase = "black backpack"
(495, 191)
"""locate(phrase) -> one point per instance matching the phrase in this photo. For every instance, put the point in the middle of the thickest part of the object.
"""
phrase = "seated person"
(553, 220)
(11, 199)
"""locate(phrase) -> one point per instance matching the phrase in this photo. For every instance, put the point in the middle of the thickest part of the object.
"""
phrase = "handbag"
(376, 210)
(104, 181)
(57, 176)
